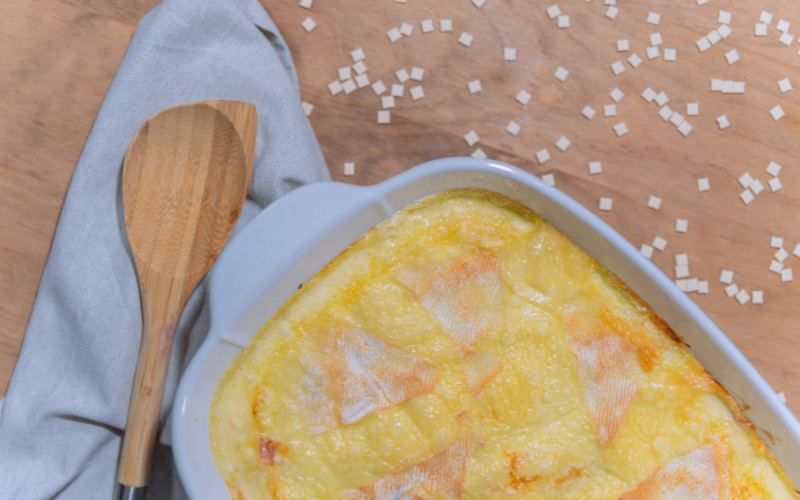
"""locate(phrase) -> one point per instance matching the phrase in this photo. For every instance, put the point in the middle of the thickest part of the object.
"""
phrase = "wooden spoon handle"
(146, 397)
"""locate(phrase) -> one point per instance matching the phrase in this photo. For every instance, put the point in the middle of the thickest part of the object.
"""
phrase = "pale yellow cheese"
(467, 349)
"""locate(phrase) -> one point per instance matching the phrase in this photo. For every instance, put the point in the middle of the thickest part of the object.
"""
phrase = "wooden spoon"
(184, 183)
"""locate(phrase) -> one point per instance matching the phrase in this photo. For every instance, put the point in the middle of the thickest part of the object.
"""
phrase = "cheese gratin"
(465, 349)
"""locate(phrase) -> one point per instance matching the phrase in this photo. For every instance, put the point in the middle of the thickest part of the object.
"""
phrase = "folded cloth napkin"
(66, 406)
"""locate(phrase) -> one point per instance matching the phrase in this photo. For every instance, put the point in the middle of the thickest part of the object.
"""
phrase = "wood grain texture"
(184, 183)
(59, 57)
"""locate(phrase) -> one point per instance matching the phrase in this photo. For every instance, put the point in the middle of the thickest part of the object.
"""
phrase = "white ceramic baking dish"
(295, 237)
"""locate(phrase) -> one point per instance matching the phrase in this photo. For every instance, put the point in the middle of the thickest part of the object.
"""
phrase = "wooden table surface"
(58, 58)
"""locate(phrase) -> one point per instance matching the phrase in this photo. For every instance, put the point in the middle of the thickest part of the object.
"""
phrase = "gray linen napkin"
(67, 402)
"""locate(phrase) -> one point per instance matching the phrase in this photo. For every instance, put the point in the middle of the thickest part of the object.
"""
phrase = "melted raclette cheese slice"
(466, 350)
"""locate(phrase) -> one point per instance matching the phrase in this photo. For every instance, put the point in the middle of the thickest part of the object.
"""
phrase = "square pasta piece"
(394, 35)
(398, 90)
(758, 296)
(682, 285)
(726, 277)
(761, 29)
(786, 39)
(775, 184)
(524, 97)
(360, 68)
(692, 285)
(692, 109)
(665, 113)
(738, 88)
(723, 122)
(553, 11)
(670, 55)
(776, 242)
(796, 251)
(703, 44)
(786, 275)
(783, 25)
(416, 93)
(549, 179)
(446, 25)
(654, 202)
(649, 94)
(618, 68)
(509, 54)
(776, 267)
(561, 73)
(349, 86)
(724, 31)
(702, 287)
(610, 110)
(335, 87)
(362, 81)
(774, 169)
(653, 52)
(606, 204)
(308, 24)
(384, 117)
(617, 94)
(655, 39)
(344, 73)
(684, 128)
(724, 17)
(756, 187)
(731, 290)
(513, 128)
(426, 26)
(716, 85)
(379, 87)
(596, 167)
(612, 12)
(478, 3)
(621, 129)
(743, 297)
(676, 119)
(474, 86)
(747, 196)
(647, 251)
(406, 29)
(777, 112)
(781, 255)
(714, 37)
(623, 46)
(662, 99)
(306, 3)
(563, 143)
(357, 54)
(785, 85)
(766, 17)
(681, 226)
(417, 74)
(588, 112)
(349, 169)
(634, 60)
(471, 138)
(703, 185)
(659, 243)
(563, 21)
(702, 2)
(465, 39)
(542, 156)
(732, 56)
(681, 271)
(307, 108)
(727, 87)
(387, 102)
(653, 18)
(479, 154)
(402, 75)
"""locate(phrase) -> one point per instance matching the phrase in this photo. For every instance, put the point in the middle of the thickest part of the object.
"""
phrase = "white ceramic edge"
(229, 300)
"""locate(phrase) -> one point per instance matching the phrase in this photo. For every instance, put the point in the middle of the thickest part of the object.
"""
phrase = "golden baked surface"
(465, 349)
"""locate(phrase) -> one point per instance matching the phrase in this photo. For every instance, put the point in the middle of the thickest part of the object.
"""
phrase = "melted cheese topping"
(465, 349)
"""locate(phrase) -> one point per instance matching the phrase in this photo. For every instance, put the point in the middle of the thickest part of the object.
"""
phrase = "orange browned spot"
(236, 493)
(462, 417)
(610, 377)
(700, 475)
(267, 451)
(518, 480)
(441, 476)
(573, 473)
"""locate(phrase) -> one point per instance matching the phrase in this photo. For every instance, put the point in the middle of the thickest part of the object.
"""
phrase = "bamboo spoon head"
(184, 183)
